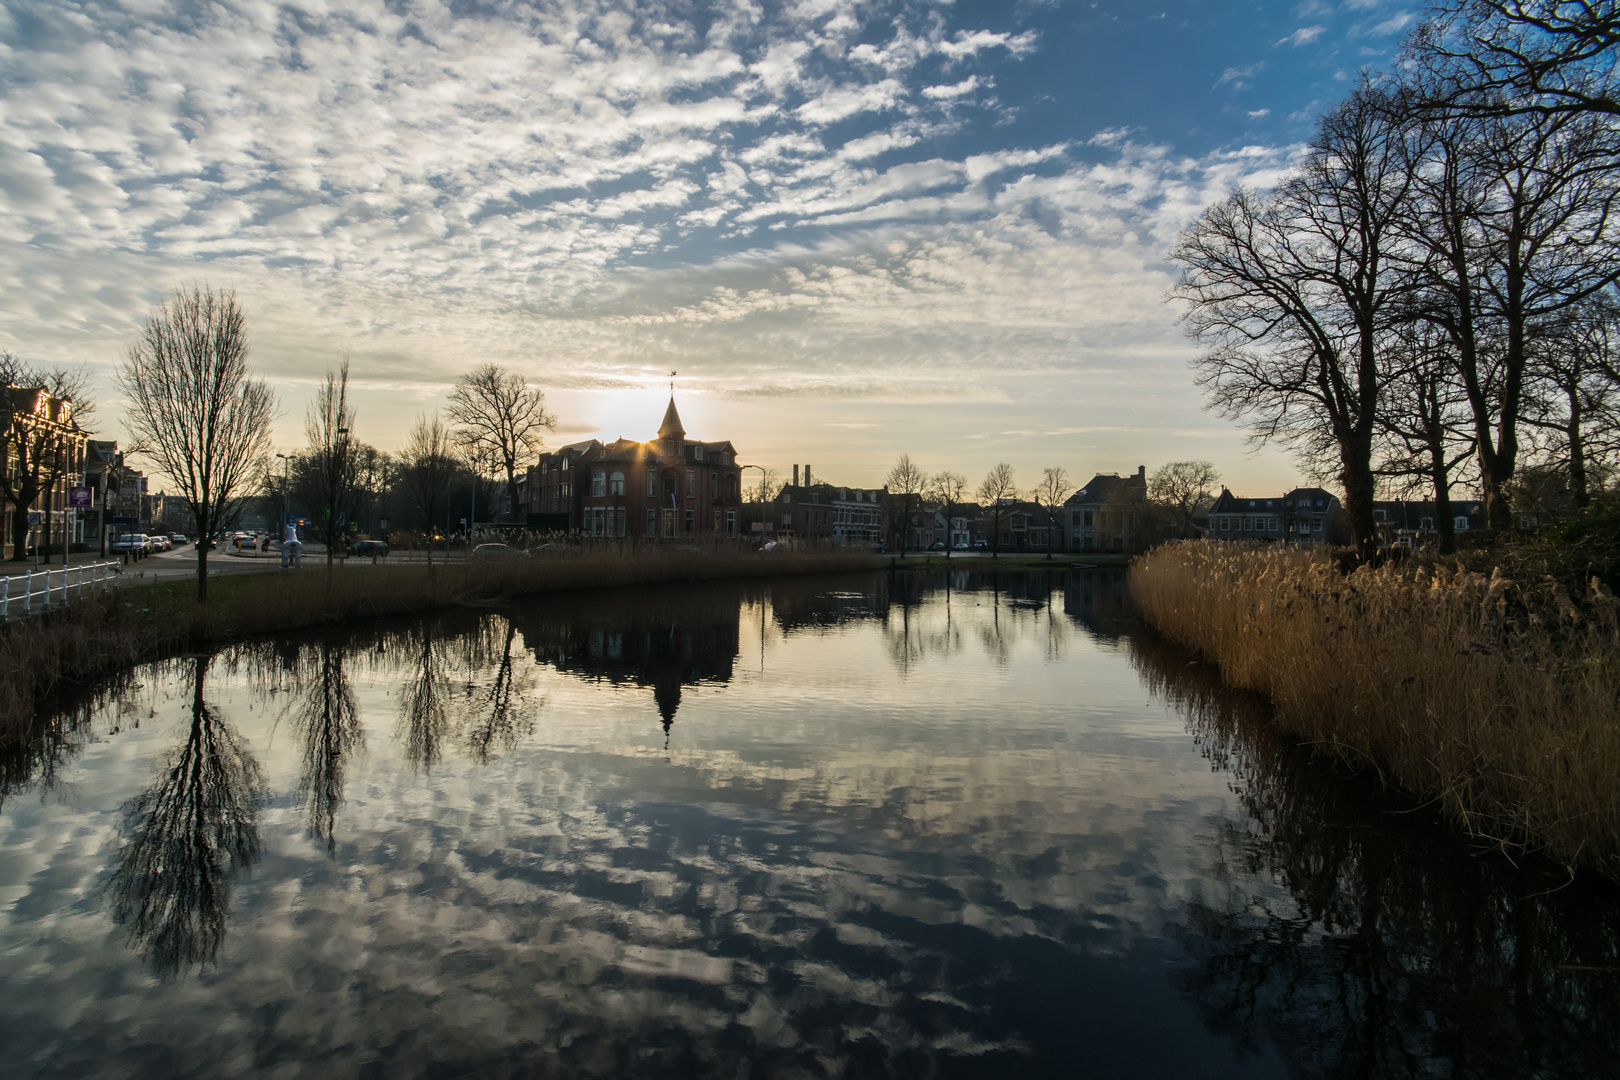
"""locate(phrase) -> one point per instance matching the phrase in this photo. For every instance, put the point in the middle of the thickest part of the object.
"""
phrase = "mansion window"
(652, 523)
(691, 482)
(616, 484)
(697, 452)
(731, 523)
(690, 522)
(599, 483)
(652, 487)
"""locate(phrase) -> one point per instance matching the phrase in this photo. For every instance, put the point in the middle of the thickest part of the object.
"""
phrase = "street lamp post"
(286, 490)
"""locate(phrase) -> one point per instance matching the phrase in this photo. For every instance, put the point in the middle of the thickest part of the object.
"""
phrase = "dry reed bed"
(97, 636)
(1494, 698)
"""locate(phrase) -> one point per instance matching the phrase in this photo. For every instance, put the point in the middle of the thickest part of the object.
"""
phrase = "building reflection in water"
(654, 639)
(185, 838)
(1398, 948)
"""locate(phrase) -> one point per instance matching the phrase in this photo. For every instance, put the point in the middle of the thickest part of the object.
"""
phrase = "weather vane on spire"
(672, 383)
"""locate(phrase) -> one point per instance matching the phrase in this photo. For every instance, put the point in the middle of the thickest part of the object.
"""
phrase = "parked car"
(128, 543)
(178, 539)
(371, 549)
(157, 542)
(937, 545)
(494, 552)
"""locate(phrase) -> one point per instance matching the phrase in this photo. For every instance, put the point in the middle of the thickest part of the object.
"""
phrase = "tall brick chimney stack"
(795, 476)
(807, 474)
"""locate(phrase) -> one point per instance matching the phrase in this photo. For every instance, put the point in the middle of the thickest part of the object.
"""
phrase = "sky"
(854, 229)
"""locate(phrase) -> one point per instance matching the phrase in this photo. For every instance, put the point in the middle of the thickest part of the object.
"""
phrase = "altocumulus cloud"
(775, 198)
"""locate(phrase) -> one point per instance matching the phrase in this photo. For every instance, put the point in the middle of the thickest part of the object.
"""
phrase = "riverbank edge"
(1494, 702)
(97, 636)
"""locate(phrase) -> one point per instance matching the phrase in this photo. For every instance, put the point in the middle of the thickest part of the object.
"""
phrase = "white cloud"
(955, 90)
(1303, 36)
(584, 197)
(1239, 76)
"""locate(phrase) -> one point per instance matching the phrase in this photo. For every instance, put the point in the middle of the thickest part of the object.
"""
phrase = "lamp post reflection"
(184, 840)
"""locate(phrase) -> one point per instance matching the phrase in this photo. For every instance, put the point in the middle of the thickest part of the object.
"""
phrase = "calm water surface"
(923, 825)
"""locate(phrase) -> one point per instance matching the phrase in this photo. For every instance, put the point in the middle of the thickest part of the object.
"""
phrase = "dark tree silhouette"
(423, 719)
(184, 840)
(328, 721)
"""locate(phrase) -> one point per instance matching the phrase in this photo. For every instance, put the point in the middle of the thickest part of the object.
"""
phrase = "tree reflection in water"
(1396, 952)
(423, 719)
(184, 839)
(501, 712)
(327, 718)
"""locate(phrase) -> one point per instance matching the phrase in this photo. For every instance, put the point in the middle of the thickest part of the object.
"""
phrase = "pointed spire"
(671, 427)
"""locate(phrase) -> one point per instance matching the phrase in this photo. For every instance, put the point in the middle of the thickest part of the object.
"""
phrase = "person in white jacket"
(292, 551)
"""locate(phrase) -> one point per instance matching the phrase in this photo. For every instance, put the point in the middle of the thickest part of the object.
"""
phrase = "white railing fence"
(39, 590)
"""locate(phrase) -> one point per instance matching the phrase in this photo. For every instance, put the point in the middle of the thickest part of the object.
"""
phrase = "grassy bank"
(100, 635)
(1493, 697)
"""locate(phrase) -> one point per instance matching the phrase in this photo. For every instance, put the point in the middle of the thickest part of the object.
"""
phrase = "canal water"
(930, 824)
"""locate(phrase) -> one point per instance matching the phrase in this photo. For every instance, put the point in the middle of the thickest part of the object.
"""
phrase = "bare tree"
(1426, 434)
(332, 458)
(498, 411)
(1049, 495)
(427, 465)
(905, 482)
(1515, 216)
(1575, 360)
(770, 484)
(194, 410)
(1292, 290)
(39, 437)
(949, 491)
(1506, 57)
(996, 494)
(1183, 490)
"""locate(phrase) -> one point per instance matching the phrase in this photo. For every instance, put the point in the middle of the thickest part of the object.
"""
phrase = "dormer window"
(697, 451)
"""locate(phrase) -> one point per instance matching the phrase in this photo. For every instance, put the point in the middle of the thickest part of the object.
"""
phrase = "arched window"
(599, 482)
(616, 484)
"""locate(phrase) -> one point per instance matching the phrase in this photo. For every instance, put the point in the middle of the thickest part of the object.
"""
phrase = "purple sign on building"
(79, 497)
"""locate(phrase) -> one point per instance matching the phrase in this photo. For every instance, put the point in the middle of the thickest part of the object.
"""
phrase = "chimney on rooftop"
(807, 474)
(1141, 473)
(795, 476)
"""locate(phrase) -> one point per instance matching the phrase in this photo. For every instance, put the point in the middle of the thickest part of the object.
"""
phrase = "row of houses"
(674, 487)
(82, 489)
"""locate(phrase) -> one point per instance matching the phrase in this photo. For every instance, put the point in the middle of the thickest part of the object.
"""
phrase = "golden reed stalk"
(1493, 697)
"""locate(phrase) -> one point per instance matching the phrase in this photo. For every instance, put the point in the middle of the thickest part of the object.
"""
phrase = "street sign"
(33, 517)
(79, 496)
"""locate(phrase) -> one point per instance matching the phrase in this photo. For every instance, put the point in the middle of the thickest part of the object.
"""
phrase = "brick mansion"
(669, 488)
